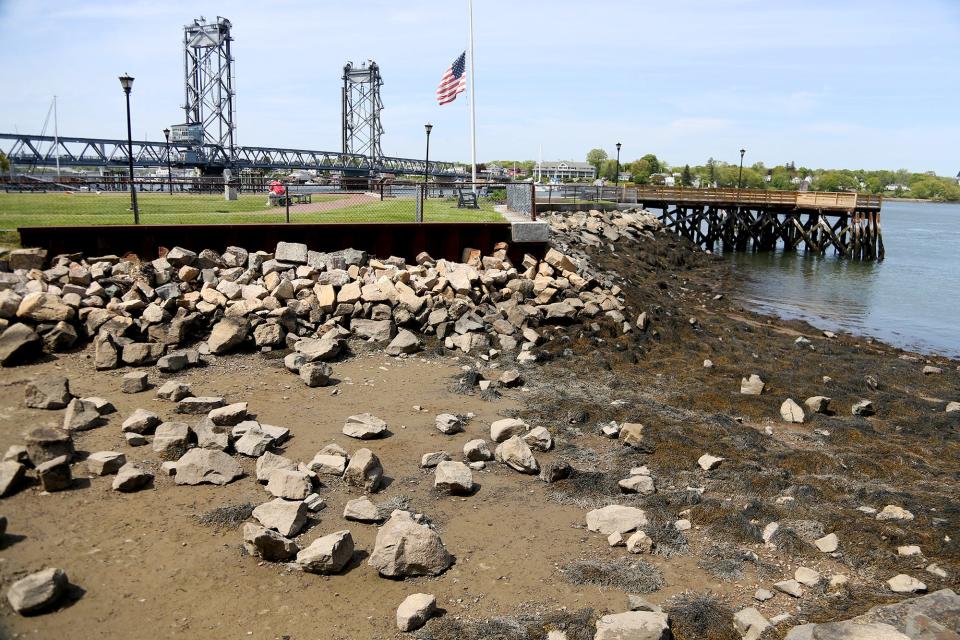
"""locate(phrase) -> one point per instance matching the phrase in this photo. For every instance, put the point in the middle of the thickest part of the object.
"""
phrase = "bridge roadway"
(31, 150)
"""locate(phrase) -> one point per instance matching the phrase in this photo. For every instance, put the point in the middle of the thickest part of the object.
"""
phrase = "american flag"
(454, 80)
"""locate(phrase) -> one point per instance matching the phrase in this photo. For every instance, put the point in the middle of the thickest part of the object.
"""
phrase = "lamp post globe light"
(166, 136)
(740, 176)
(127, 83)
(617, 177)
(426, 169)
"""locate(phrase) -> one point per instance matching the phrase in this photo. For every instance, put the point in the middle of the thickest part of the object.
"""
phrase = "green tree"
(835, 181)
(728, 176)
(934, 188)
(652, 162)
(782, 181)
(711, 171)
(595, 157)
(686, 178)
(608, 170)
(4, 163)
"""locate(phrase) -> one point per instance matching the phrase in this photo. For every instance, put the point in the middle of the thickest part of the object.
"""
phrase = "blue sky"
(842, 83)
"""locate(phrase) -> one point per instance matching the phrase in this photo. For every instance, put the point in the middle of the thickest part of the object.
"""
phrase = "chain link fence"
(108, 200)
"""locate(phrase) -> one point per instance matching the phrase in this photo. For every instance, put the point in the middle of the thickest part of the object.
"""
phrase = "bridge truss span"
(46, 151)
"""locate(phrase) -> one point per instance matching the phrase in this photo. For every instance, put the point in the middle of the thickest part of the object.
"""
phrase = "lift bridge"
(47, 151)
(206, 139)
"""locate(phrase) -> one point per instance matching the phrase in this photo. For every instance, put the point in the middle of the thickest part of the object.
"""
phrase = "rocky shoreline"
(806, 476)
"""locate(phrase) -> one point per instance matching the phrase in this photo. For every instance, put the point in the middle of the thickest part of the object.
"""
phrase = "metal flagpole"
(473, 105)
(56, 135)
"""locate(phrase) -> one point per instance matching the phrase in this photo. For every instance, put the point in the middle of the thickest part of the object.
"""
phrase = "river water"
(911, 299)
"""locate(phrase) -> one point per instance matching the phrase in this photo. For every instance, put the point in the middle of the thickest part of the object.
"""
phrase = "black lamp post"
(166, 135)
(617, 177)
(426, 169)
(740, 176)
(127, 83)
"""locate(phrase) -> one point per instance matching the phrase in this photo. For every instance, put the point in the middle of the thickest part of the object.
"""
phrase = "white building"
(566, 170)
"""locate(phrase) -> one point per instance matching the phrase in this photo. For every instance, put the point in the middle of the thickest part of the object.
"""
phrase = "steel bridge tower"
(361, 110)
(208, 81)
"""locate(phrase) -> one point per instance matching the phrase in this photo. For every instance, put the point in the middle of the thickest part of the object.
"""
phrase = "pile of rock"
(142, 313)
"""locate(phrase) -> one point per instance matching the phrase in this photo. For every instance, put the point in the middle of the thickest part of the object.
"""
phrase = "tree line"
(649, 169)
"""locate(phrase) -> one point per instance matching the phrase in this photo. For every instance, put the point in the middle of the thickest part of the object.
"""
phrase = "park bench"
(466, 200)
(280, 200)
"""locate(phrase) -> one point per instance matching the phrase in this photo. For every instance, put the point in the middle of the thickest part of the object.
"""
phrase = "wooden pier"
(757, 219)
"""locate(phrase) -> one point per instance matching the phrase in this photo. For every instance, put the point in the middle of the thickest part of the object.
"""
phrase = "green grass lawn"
(404, 210)
(85, 209)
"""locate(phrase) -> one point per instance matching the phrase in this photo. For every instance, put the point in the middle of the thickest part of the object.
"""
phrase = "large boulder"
(131, 478)
(106, 353)
(291, 484)
(449, 424)
(616, 518)
(327, 347)
(104, 463)
(81, 415)
(55, 475)
(415, 610)
(171, 439)
(361, 510)
(752, 386)
(477, 451)
(11, 473)
(141, 421)
(516, 454)
(453, 477)
(50, 392)
(364, 470)
(207, 466)
(19, 344)
(328, 554)
(405, 548)
(229, 415)
(226, 335)
(633, 625)
(315, 374)
(270, 462)
(211, 436)
(29, 258)
(375, 330)
(254, 442)
(285, 516)
(141, 353)
(790, 411)
(364, 426)
(404, 342)
(750, 623)
(929, 617)
(295, 252)
(38, 591)
(46, 443)
(504, 429)
(267, 543)
(631, 434)
(44, 307)
(328, 464)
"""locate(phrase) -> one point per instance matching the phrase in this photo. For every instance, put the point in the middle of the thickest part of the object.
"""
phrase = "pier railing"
(721, 197)
(827, 200)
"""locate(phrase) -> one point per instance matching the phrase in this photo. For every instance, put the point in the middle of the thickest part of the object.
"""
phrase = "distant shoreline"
(885, 198)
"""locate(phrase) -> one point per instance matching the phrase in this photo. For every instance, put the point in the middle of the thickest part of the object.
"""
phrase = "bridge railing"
(71, 201)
